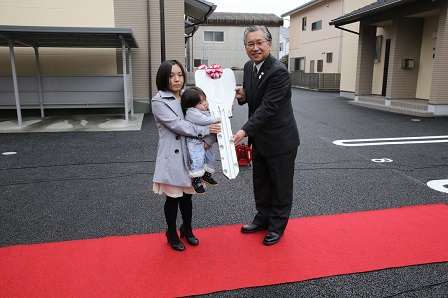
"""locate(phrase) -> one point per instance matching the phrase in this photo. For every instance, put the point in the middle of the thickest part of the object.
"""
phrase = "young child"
(202, 162)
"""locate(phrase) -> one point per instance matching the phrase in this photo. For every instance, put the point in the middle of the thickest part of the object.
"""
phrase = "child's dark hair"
(191, 97)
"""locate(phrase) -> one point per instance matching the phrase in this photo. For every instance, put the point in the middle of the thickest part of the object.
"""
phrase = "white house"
(284, 42)
(219, 40)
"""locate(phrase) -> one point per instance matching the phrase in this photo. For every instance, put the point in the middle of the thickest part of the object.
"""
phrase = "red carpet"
(145, 266)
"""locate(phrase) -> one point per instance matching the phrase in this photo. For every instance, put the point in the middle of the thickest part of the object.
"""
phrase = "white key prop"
(220, 94)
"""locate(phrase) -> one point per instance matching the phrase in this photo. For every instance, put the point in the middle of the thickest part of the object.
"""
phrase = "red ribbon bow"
(214, 70)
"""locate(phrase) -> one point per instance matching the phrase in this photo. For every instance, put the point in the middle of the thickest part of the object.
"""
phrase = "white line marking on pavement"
(9, 153)
(382, 160)
(439, 185)
(392, 141)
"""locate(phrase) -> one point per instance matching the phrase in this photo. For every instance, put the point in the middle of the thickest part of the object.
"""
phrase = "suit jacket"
(271, 126)
(172, 159)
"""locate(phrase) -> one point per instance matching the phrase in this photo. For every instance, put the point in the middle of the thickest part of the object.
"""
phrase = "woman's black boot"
(186, 209)
(188, 234)
(175, 242)
(170, 208)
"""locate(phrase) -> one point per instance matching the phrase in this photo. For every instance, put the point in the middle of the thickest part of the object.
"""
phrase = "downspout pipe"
(149, 51)
(162, 30)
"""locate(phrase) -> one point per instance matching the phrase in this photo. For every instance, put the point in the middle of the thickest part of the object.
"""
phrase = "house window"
(320, 65)
(303, 23)
(379, 39)
(329, 57)
(298, 64)
(214, 36)
(282, 46)
(311, 66)
(316, 25)
(197, 62)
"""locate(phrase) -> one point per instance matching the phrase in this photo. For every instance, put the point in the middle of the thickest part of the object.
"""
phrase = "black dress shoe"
(251, 228)
(175, 242)
(271, 238)
(191, 239)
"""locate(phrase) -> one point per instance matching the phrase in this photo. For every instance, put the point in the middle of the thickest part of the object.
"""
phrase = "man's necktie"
(254, 76)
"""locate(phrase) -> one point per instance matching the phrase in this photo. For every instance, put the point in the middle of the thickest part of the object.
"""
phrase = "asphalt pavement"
(84, 184)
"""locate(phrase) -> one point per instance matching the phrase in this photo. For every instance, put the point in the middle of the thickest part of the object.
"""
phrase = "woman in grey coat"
(171, 171)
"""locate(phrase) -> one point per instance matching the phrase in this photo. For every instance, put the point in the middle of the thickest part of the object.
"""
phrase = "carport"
(96, 92)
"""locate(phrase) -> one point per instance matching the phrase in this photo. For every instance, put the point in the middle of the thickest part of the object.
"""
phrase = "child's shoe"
(209, 179)
(197, 184)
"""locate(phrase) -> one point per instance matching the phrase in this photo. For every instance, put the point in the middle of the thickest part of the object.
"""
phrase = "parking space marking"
(9, 153)
(392, 141)
(382, 160)
(439, 185)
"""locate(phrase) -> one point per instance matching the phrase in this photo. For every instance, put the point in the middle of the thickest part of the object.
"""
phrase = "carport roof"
(62, 37)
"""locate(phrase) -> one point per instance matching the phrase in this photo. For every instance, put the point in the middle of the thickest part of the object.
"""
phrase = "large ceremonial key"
(220, 94)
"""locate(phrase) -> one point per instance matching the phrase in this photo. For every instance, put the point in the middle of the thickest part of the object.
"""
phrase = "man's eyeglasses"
(251, 45)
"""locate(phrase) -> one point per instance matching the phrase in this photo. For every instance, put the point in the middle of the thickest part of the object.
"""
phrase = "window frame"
(201, 61)
(214, 34)
(317, 25)
(320, 65)
(297, 64)
(378, 44)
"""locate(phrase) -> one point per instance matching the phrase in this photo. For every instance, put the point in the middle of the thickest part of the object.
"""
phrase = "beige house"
(158, 27)
(401, 55)
(314, 45)
(391, 54)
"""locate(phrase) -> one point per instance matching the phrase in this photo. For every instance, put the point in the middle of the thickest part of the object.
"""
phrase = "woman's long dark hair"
(191, 97)
(164, 73)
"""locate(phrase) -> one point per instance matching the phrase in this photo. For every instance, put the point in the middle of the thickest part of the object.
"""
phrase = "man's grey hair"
(254, 28)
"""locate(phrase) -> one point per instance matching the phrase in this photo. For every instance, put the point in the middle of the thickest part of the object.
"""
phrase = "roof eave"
(302, 7)
(344, 20)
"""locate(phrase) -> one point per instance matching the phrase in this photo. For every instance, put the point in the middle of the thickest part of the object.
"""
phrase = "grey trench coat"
(172, 156)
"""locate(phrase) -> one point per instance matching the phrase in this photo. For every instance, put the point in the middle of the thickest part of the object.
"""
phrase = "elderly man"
(272, 132)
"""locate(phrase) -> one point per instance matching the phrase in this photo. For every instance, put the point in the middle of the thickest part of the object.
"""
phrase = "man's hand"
(241, 134)
(240, 94)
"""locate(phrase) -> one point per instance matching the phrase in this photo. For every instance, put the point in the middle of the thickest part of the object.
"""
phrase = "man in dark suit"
(272, 132)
